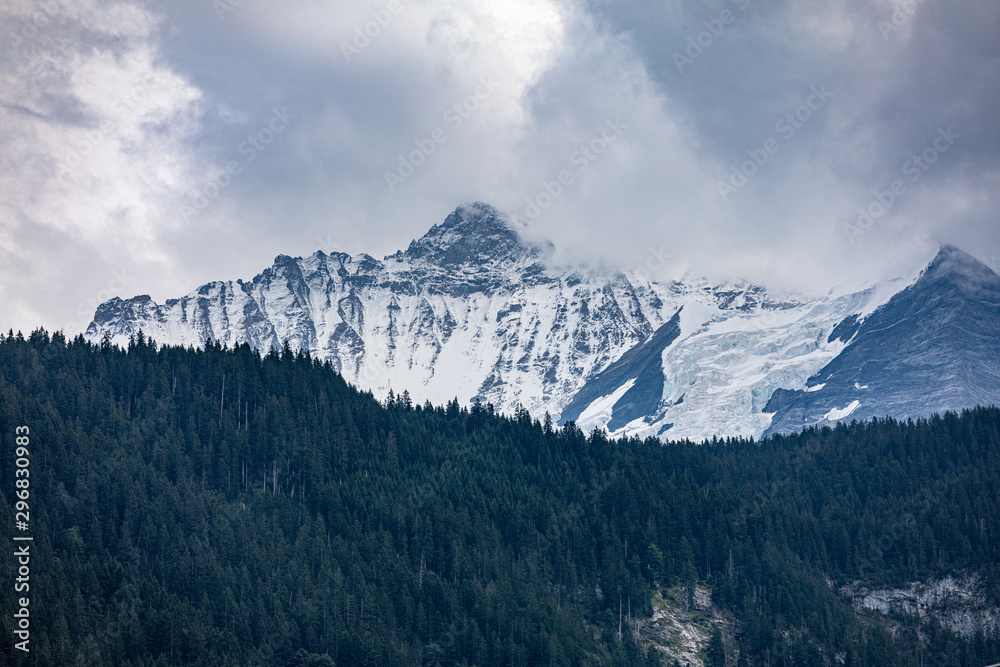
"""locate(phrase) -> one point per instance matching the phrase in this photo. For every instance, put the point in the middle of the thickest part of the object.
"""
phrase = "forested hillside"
(216, 507)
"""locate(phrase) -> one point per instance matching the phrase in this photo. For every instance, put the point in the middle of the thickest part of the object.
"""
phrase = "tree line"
(217, 506)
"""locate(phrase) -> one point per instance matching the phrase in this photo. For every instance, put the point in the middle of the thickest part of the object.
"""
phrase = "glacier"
(472, 311)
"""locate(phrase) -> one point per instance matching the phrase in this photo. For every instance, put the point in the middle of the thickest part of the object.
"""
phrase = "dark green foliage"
(213, 507)
(715, 654)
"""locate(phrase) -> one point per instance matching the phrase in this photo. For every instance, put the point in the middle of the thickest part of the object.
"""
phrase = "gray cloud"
(895, 84)
(156, 198)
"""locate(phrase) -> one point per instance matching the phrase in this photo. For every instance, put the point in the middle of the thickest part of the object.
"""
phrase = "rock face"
(639, 371)
(959, 604)
(470, 310)
(935, 346)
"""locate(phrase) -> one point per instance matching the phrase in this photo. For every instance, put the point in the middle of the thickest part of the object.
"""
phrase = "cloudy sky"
(149, 147)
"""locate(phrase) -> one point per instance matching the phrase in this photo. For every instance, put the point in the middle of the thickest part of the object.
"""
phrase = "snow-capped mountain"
(934, 346)
(723, 367)
(470, 310)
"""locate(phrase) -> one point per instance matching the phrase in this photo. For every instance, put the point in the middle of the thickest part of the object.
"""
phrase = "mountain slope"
(639, 370)
(933, 347)
(468, 310)
(473, 311)
(213, 507)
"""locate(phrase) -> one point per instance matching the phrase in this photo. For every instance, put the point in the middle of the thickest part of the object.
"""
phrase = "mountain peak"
(932, 347)
(955, 269)
(954, 262)
(476, 234)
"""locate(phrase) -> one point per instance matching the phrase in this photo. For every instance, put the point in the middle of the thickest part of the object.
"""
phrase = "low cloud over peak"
(785, 143)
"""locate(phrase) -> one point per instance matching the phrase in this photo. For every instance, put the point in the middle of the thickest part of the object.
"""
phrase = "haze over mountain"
(471, 310)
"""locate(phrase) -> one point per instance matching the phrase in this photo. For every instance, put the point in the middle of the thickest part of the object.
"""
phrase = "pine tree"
(715, 654)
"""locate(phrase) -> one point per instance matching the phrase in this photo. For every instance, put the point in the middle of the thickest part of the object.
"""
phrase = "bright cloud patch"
(93, 132)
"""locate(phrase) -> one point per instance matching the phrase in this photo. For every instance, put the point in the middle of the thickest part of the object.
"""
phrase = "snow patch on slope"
(836, 414)
(599, 412)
